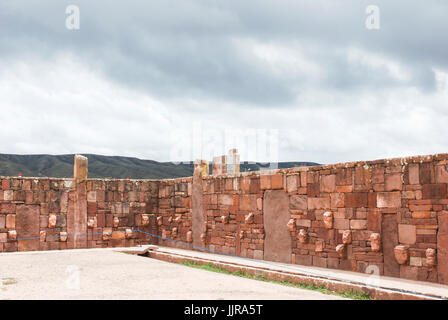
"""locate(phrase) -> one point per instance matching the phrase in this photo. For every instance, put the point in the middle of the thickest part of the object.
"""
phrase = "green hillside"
(61, 166)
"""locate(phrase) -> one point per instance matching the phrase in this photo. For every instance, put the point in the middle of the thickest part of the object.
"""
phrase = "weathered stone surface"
(407, 233)
(434, 191)
(319, 246)
(80, 168)
(52, 219)
(298, 202)
(145, 220)
(328, 220)
(374, 219)
(414, 174)
(441, 174)
(189, 236)
(277, 242)
(303, 236)
(389, 199)
(318, 203)
(77, 216)
(346, 237)
(430, 254)
(393, 182)
(291, 225)
(389, 234)
(12, 234)
(341, 250)
(129, 234)
(197, 206)
(328, 183)
(357, 224)
(27, 226)
(401, 254)
(375, 242)
(63, 236)
(11, 221)
(442, 248)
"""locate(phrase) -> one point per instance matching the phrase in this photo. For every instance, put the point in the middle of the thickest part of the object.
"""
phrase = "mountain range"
(61, 166)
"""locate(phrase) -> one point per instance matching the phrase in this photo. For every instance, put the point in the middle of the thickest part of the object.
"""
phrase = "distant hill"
(61, 166)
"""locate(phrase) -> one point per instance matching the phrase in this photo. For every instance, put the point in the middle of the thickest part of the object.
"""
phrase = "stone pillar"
(81, 168)
(233, 161)
(77, 205)
(198, 213)
(219, 165)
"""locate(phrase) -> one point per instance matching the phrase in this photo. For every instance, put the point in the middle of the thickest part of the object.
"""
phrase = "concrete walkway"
(417, 289)
(109, 274)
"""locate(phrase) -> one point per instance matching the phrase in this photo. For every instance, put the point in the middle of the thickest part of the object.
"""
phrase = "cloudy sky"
(176, 80)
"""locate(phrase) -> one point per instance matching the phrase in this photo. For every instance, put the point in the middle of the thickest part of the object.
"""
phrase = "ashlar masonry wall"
(385, 216)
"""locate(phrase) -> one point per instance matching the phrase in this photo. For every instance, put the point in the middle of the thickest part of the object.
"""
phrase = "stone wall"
(385, 216)
(391, 214)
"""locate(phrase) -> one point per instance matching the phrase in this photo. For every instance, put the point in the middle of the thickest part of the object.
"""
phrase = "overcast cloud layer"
(148, 78)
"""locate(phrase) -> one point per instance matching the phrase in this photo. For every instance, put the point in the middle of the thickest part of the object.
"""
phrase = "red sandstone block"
(320, 262)
(5, 184)
(389, 199)
(341, 224)
(358, 224)
(356, 200)
(248, 202)
(303, 179)
(414, 177)
(407, 234)
(359, 175)
(91, 207)
(254, 185)
(7, 208)
(291, 183)
(441, 174)
(277, 181)
(374, 219)
(434, 191)
(372, 198)
(313, 190)
(229, 184)
(318, 203)
(426, 173)
(337, 200)
(298, 202)
(344, 177)
(393, 182)
(378, 175)
(265, 181)
(245, 184)
(11, 221)
(344, 189)
(328, 183)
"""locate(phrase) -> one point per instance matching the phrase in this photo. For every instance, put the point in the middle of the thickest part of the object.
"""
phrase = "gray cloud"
(242, 63)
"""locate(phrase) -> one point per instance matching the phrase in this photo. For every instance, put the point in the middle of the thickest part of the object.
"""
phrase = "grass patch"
(346, 294)
(7, 281)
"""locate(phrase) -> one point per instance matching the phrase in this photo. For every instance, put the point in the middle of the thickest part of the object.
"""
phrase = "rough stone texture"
(198, 217)
(277, 245)
(77, 217)
(364, 197)
(442, 248)
(389, 234)
(407, 234)
(80, 168)
(27, 226)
